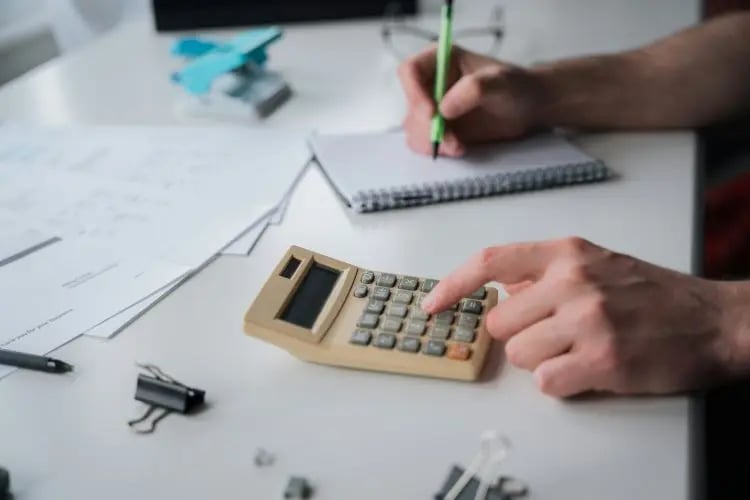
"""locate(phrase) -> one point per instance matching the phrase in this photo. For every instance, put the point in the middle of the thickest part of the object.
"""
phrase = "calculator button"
(464, 334)
(418, 313)
(391, 325)
(428, 285)
(368, 277)
(445, 317)
(471, 306)
(381, 293)
(360, 291)
(361, 337)
(385, 341)
(440, 331)
(409, 283)
(375, 306)
(399, 310)
(410, 344)
(386, 279)
(479, 294)
(402, 297)
(459, 352)
(418, 298)
(468, 320)
(368, 320)
(415, 327)
(434, 348)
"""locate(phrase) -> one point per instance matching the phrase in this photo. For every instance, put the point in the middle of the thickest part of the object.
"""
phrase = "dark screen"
(193, 14)
(311, 295)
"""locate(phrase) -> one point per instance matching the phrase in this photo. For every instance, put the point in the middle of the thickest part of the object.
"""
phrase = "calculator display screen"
(310, 297)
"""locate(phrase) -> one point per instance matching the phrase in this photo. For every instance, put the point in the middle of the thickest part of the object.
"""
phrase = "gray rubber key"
(392, 325)
(434, 348)
(375, 306)
(368, 320)
(386, 279)
(385, 341)
(409, 283)
(410, 344)
(471, 306)
(361, 337)
(398, 310)
(415, 327)
(463, 334)
(468, 320)
(441, 332)
(381, 293)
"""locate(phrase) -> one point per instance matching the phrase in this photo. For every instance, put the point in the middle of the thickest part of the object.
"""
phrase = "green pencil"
(441, 74)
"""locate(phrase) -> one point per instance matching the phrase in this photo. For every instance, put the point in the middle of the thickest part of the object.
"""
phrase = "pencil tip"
(435, 148)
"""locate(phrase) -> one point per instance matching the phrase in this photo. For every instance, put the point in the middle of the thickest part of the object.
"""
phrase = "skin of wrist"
(546, 95)
(588, 92)
(735, 325)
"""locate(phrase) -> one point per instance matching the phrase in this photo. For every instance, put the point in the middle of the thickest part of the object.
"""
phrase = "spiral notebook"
(376, 171)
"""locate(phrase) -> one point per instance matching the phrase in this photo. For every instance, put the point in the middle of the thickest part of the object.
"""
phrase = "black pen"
(33, 362)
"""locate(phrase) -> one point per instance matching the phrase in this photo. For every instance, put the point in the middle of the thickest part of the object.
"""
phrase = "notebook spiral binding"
(511, 182)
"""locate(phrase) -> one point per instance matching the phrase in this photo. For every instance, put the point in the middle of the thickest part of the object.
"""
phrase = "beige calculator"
(327, 311)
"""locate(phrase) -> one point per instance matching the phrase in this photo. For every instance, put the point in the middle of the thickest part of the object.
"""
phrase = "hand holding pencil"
(484, 100)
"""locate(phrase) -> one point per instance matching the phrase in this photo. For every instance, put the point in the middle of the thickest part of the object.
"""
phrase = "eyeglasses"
(404, 40)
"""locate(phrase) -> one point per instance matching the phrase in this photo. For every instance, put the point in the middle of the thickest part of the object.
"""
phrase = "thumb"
(464, 96)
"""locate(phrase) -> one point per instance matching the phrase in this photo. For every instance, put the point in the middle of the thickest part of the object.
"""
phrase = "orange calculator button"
(459, 352)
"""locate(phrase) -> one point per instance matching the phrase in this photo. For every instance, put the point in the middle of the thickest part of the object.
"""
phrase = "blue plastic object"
(209, 60)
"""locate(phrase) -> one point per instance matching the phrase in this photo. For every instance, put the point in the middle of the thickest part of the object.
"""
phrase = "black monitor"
(194, 14)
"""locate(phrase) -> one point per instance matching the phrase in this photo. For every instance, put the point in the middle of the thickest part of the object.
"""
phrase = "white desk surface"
(355, 434)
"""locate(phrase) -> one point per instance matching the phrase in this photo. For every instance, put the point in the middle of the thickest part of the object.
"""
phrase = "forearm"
(695, 77)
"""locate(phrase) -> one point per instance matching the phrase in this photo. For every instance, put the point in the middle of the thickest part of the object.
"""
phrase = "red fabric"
(727, 240)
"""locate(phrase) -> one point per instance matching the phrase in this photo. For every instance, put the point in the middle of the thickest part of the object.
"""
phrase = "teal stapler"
(222, 74)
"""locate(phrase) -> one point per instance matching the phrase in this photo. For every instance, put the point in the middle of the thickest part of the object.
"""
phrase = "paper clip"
(161, 391)
(493, 449)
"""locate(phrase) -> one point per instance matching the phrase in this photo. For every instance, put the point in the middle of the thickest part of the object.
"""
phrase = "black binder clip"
(160, 391)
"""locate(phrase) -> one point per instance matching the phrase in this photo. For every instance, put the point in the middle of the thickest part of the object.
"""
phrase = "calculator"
(327, 311)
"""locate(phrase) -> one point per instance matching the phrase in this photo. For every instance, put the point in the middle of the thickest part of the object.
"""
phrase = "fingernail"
(428, 302)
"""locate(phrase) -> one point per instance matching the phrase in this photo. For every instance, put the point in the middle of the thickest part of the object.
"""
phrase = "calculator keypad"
(393, 317)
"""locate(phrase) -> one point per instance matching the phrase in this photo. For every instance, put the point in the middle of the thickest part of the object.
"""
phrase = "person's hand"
(486, 101)
(583, 318)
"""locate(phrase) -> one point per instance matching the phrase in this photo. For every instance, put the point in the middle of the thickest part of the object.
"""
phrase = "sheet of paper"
(142, 206)
(53, 295)
(112, 326)
(176, 193)
(243, 245)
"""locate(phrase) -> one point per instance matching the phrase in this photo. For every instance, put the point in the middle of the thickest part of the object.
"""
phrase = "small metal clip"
(161, 391)
(476, 481)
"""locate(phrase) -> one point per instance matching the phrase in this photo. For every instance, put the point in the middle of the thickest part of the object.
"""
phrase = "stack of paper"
(97, 223)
